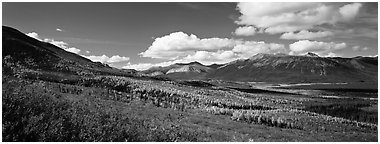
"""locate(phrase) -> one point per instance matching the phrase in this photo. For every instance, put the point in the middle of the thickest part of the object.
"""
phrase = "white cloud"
(331, 54)
(73, 50)
(140, 66)
(349, 12)
(60, 44)
(251, 48)
(246, 31)
(304, 34)
(321, 48)
(58, 29)
(106, 59)
(179, 47)
(358, 48)
(34, 35)
(145, 66)
(178, 44)
(288, 17)
(207, 58)
(88, 52)
(117, 58)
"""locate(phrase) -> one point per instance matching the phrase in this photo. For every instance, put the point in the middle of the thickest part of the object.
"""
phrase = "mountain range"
(278, 68)
(21, 52)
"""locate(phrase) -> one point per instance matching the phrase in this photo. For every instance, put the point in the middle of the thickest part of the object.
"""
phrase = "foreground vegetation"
(116, 108)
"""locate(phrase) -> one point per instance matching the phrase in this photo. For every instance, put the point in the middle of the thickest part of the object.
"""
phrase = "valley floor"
(113, 108)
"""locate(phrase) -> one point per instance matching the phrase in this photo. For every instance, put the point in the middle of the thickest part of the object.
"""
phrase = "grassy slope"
(46, 111)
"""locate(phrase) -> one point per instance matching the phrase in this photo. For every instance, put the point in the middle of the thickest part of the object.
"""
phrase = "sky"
(141, 35)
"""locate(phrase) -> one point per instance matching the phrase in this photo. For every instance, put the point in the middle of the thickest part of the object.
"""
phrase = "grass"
(114, 108)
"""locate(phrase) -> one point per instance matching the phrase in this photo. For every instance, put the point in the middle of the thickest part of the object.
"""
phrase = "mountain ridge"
(24, 53)
(289, 68)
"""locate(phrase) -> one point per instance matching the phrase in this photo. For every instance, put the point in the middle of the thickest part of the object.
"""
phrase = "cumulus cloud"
(73, 50)
(251, 48)
(178, 44)
(145, 66)
(140, 66)
(331, 54)
(304, 34)
(106, 59)
(60, 44)
(246, 31)
(349, 11)
(207, 57)
(321, 48)
(180, 47)
(289, 17)
(34, 35)
(358, 48)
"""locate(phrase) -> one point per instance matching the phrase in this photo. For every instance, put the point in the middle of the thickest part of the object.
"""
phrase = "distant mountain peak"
(310, 54)
(266, 55)
(191, 63)
(195, 62)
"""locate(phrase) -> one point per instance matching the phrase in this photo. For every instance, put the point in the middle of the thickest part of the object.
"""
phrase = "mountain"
(23, 54)
(307, 68)
(278, 68)
(193, 70)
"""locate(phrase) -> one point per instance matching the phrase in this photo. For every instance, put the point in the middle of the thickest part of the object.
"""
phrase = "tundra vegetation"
(45, 106)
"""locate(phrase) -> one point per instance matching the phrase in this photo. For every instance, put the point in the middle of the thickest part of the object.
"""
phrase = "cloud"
(189, 5)
(239, 51)
(355, 33)
(106, 59)
(246, 31)
(60, 44)
(304, 34)
(207, 58)
(251, 48)
(358, 48)
(289, 17)
(145, 66)
(321, 48)
(73, 50)
(34, 35)
(331, 54)
(349, 11)
(178, 44)
(180, 47)
(58, 29)
(140, 66)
